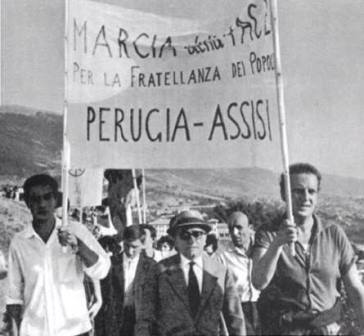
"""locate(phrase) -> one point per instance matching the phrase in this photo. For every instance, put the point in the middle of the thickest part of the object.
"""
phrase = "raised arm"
(265, 259)
(95, 260)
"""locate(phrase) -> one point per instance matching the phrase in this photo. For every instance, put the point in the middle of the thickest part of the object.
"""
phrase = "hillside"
(29, 142)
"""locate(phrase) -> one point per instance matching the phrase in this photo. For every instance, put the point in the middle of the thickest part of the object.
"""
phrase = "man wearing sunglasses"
(190, 294)
(46, 294)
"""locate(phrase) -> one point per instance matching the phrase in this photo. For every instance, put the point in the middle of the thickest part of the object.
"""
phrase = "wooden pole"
(282, 112)
(137, 194)
(66, 147)
(144, 198)
(2, 34)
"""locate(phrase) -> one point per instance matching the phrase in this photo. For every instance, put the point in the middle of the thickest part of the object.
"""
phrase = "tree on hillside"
(259, 212)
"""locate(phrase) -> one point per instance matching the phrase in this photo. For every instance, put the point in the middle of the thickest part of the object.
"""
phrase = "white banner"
(182, 84)
(85, 187)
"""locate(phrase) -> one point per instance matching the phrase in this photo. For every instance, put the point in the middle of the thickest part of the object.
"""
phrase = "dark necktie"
(193, 291)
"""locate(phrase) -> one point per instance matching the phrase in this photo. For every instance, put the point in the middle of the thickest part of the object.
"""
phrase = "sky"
(322, 51)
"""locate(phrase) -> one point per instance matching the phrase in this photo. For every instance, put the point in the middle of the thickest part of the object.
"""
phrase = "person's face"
(147, 239)
(190, 242)
(132, 248)
(209, 249)
(42, 203)
(165, 247)
(304, 189)
(240, 231)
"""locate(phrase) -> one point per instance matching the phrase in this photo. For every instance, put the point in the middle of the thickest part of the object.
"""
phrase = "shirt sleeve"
(15, 281)
(346, 251)
(101, 268)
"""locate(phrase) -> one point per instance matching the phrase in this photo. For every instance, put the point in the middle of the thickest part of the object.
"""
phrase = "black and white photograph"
(181, 168)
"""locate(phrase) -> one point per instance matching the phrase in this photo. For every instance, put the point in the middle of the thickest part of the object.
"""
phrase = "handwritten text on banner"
(179, 87)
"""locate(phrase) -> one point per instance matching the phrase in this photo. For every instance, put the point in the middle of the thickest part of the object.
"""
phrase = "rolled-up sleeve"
(15, 281)
(347, 254)
(101, 268)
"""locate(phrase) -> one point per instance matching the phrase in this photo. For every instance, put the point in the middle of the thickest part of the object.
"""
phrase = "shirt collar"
(126, 259)
(317, 226)
(30, 233)
(241, 251)
(186, 262)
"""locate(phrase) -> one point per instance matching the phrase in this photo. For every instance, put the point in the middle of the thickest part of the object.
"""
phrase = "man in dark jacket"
(122, 290)
(190, 294)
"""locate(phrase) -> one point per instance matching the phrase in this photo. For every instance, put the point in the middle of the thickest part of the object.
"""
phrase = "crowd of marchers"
(284, 279)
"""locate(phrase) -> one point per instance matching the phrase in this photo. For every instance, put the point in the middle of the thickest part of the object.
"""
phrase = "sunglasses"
(187, 235)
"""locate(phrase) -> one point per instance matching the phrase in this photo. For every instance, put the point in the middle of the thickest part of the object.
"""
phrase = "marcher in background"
(46, 295)
(122, 289)
(190, 293)
(111, 244)
(301, 294)
(211, 245)
(238, 260)
(149, 235)
(165, 248)
(131, 203)
(101, 218)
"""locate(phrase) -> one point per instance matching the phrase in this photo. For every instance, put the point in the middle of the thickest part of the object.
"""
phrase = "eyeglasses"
(39, 198)
(187, 235)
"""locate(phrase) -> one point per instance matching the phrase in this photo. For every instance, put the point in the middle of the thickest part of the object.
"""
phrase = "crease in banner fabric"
(179, 84)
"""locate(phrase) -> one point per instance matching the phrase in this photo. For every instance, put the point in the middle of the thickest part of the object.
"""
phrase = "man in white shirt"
(190, 293)
(238, 260)
(46, 295)
(122, 289)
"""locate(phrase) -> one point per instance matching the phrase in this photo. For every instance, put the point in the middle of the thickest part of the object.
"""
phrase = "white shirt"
(48, 282)
(241, 267)
(129, 266)
(197, 268)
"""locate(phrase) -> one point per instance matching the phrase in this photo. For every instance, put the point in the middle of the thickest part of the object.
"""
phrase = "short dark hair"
(165, 239)
(300, 168)
(132, 232)
(39, 180)
(211, 240)
(110, 243)
(151, 228)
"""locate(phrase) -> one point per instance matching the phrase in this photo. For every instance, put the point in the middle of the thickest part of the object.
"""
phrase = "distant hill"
(31, 140)
(223, 183)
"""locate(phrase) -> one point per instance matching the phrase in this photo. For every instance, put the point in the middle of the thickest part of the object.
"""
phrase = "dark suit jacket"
(110, 320)
(166, 310)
